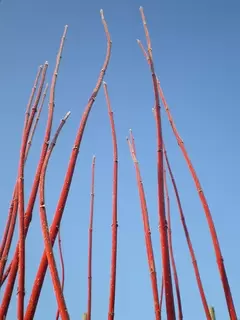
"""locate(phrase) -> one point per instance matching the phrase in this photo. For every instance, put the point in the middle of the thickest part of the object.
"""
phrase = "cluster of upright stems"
(23, 211)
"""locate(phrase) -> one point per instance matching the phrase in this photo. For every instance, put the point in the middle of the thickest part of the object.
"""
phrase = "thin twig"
(62, 266)
(90, 238)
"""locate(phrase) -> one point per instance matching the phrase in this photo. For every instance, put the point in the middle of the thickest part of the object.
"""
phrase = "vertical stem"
(161, 205)
(112, 295)
(180, 314)
(62, 265)
(147, 230)
(161, 295)
(89, 307)
(212, 312)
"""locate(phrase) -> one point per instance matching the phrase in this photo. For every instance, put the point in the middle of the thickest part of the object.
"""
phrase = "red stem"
(180, 314)
(89, 307)
(46, 235)
(66, 186)
(62, 265)
(161, 296)
(36, 121)
(112, 296)
(147, 230)
(161, 205)
(189, 242)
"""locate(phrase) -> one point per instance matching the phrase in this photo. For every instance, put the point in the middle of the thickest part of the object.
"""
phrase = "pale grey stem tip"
(67, 115)
(104, 83)
(46, 63)
(138, 41)
(101, 13)
(141, 8)
(130, 130)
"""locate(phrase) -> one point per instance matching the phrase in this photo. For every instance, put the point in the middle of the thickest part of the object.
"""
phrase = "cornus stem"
(189, 242)
(32, 95)
(89, 306)
(161, 295)
(46, 236)
(67, 183)
(111, 307)
(180, 313)
(161, 205)
(62, 265)
(147, 230)
(28, 214)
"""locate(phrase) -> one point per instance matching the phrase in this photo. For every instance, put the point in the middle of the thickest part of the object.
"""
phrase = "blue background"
(196, 49)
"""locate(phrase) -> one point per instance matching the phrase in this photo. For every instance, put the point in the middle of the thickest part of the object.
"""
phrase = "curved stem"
(189, 242)
(46, 235)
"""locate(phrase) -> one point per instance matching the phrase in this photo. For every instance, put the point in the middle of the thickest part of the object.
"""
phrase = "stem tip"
(101, 13)
(67, 115)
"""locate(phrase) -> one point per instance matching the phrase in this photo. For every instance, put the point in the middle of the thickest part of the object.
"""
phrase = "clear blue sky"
(196, 48)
